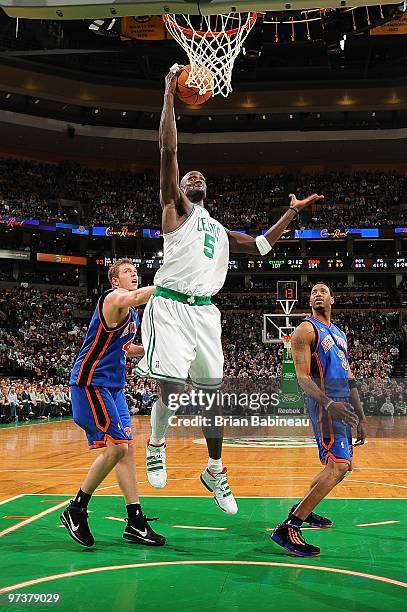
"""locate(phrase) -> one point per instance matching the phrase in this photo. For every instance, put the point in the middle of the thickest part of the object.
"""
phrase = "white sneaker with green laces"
(218, 484)
(156, 465)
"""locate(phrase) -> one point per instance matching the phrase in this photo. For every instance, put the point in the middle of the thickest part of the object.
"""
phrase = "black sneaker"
(290, 538)
(75, 519)
(140, 532)
(316, 521)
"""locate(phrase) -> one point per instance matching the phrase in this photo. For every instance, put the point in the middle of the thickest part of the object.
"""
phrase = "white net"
(212, 43)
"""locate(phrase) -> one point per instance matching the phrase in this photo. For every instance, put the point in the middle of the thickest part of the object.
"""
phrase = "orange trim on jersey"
(335, 459)
(102, 352)
(98, 425)
(102, 443)
(107, 437)
(88, 354)
(111, 329)
(98, 444)
(321, 370)
(321, 408)
(319, 339)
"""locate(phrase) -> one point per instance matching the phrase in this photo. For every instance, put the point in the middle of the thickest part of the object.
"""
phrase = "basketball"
(191, 95)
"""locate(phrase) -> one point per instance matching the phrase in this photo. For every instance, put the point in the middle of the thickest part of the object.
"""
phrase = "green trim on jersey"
(184, 298)
(218, 385)
(162, 377)
(183, 223)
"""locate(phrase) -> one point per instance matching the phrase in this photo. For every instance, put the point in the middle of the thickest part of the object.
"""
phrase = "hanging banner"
(146, 27)
(395, 26)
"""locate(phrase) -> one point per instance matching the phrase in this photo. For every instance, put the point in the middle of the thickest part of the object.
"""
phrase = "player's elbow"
(121, 301)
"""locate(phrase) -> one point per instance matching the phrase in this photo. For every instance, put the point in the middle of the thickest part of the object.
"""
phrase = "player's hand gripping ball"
(191, 95)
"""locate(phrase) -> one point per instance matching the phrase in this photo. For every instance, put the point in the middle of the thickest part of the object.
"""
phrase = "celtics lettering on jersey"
(196, 255)
(212, 233)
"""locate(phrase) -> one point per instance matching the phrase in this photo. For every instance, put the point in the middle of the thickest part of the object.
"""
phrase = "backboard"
(93, 9)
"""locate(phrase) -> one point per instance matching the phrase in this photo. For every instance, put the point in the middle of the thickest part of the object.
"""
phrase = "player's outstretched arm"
(175, 205)
(123, 299)
(242, 243)
(301, 342)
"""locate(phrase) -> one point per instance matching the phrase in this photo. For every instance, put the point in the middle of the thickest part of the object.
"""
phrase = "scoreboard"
(284, 264)
(296, 263)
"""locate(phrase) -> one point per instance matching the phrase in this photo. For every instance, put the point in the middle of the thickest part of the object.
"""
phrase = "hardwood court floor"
(211, 562)
(53, 457)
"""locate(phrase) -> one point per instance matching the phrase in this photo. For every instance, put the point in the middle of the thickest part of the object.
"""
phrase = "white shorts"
(181, 341)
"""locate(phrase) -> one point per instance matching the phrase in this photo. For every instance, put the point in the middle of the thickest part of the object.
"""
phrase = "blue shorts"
(334, 438)
(103, 413)
(339, 449)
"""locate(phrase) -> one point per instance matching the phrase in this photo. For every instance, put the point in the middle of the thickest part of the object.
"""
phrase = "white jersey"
(196, 256)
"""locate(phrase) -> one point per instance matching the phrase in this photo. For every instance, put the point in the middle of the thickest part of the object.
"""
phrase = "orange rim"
(191, 33)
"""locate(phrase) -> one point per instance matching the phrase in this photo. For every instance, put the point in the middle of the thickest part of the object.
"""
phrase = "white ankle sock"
(215, 465)
(160, 415)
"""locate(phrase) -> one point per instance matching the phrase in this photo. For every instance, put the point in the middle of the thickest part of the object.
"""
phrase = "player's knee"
(339, 469)
(118, 451)
(170, 391)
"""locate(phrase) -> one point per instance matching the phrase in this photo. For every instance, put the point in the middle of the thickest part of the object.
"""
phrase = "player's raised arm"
(123, 299)
(174, 203)
(301, 343)
(242, 243)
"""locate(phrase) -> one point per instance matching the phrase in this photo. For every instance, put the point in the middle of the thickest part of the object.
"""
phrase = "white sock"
(160, 415)
(215, 465)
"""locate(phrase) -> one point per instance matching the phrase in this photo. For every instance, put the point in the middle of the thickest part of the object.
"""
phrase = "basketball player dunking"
(99, 405)
(320, 353)
(181, 328)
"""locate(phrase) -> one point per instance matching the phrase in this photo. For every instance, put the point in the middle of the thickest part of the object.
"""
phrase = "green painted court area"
(223, 570)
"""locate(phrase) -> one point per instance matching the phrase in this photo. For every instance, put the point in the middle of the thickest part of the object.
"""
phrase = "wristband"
(331, 401)
(297, 212)
(263, 245)
(352, 384)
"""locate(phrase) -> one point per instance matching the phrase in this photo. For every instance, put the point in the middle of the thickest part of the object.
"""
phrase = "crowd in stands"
(96, 197)
(42, 331)
(27, 400)
(24, 400)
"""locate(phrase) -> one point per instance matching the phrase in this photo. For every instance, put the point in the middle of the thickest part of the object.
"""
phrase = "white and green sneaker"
(156, 465)
(218, 484)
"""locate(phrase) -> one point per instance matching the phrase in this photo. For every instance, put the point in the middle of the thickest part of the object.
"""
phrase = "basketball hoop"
(212, 43)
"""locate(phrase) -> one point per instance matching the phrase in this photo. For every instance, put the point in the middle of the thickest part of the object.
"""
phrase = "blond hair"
(114, 269)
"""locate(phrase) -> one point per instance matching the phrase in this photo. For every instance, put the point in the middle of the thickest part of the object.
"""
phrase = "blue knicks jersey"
(329, 359)
(102, 359)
